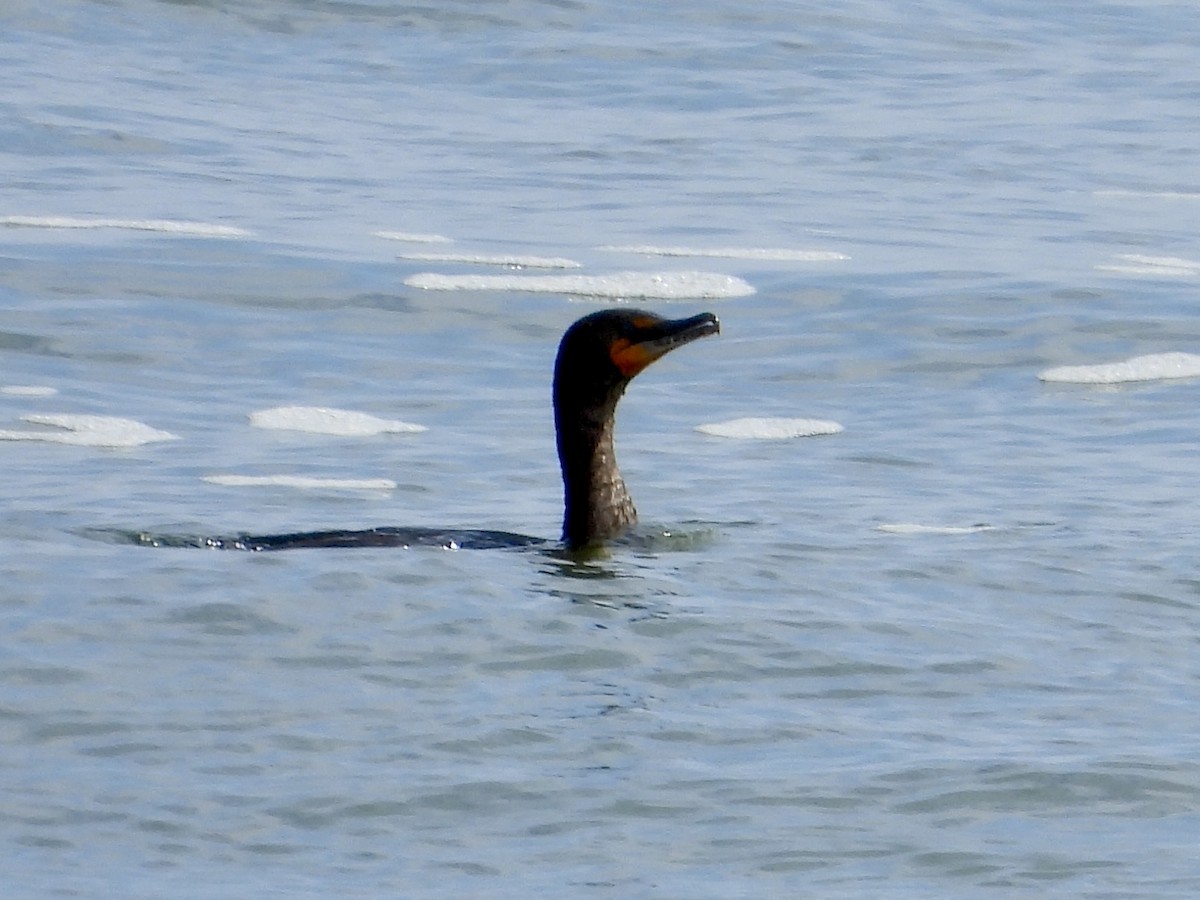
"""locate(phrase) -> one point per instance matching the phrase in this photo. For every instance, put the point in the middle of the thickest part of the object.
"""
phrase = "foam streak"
(323, 420)
(620, 285)
(163, 226)
(1152, 367)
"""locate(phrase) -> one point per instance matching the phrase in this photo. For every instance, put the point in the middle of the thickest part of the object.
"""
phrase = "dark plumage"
(598, 356)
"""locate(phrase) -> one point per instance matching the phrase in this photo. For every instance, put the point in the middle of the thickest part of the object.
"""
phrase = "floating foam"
(322, 420)
(89, 431)
(913, 528)
(756, 253)
(483, 259)
(768, 429)
(303, 482)
(619, 285)
(1152, 367)
(1137, 264)
(27, 390)
(164, 226)
(412, 238)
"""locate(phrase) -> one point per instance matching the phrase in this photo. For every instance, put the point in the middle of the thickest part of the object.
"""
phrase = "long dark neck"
(597, 505)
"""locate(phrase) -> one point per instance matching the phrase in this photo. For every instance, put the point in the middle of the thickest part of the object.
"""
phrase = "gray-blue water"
(826, 683)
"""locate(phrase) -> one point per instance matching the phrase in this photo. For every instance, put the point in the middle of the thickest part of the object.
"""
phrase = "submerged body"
(399, 536)
(597, 358)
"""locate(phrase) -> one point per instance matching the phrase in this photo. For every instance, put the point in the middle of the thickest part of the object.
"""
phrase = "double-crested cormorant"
(598, 356)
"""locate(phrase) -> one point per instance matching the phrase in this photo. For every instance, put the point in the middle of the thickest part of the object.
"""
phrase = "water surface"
(948, 650)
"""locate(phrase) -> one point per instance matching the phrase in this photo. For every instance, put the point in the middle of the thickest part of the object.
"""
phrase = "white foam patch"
(754, 253)
(619, 285)
(485, 259)
(1154, 266)
(27, 390)
(1152, 367)
(411, 238)
(769, 429)
(163, 226)
(89, 431)
(323, 420)
(913, 528)
(303, 482)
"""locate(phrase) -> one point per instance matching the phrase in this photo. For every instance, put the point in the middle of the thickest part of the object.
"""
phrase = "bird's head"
(603, 351)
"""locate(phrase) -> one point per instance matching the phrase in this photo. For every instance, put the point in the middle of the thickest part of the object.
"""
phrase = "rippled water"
(946, 650)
